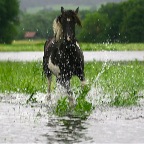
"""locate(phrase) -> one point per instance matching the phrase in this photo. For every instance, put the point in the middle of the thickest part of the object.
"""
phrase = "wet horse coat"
(62, 54)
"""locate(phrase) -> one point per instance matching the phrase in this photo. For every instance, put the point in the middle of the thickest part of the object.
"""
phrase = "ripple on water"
(23, 122)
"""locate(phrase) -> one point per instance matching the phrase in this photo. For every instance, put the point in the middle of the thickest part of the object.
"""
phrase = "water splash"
(96, 94)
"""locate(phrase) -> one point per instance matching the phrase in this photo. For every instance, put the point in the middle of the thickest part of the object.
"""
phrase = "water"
(34, 123)
(88, 55)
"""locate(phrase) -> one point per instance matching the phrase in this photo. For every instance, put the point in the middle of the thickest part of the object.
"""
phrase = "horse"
(63, 56)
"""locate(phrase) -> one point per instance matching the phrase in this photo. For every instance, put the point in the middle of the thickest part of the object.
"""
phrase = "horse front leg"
(83, 83)
(82, 79)
(48, 97)
(70, 94)
(66, 85)
(48, 75)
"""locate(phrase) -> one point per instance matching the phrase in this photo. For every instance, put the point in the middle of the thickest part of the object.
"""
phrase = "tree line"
(112, 22)
(9, 20)
(115, 22)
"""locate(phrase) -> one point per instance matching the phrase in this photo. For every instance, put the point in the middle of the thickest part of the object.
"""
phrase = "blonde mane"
(57, 29)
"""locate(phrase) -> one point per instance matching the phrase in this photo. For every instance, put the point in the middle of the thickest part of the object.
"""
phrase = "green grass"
(37, 45)
(23, 45)
(21, 77)
(112, 47)
(121, 81)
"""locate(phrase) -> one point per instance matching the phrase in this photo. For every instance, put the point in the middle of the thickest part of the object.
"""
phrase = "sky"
(27, 4)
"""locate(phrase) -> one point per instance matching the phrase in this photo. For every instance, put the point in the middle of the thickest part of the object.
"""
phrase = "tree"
(9, 10)
(40, 22)
(115, 16)
(132, 26)
(94, 28)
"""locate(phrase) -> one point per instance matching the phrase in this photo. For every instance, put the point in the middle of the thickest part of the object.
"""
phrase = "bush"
(94, 28)
(9, 10)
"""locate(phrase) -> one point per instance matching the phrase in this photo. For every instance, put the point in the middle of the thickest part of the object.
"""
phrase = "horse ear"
(62, 10)
(77, 10)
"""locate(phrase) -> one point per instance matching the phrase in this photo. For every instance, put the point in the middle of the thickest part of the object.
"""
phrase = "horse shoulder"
(79, 51)
(49, 44)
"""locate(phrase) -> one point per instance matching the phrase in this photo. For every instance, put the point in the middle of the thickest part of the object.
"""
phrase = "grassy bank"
(122, 82)
(37, 45)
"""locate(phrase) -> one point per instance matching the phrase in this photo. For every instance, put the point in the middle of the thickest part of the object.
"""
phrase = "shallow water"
(88, 56)
(34, 123)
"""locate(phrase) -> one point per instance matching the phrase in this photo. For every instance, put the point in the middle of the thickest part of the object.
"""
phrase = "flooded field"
(35, 123)
(119, 84)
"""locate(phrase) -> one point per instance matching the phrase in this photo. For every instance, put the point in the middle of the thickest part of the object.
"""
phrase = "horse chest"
(63, 67)
(54, 68)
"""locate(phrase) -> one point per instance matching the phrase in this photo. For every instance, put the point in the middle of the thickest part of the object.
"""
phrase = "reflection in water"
(33, 124)
(67, 130)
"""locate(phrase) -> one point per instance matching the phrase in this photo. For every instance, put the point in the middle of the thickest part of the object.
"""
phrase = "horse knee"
(48, 97)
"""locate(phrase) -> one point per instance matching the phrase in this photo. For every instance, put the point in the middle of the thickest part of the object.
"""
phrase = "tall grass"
(112, 46)
(23, 45)
(122, 81)
(37, 45)
(21, 77)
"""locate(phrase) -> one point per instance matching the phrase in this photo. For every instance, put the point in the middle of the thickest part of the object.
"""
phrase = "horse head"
(64, 25)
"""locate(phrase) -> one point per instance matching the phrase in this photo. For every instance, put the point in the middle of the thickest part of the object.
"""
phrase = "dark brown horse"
(62, 54)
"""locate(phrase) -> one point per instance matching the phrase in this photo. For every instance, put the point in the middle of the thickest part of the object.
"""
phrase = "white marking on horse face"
(68, 19)
(68, 38)
(54, 68)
